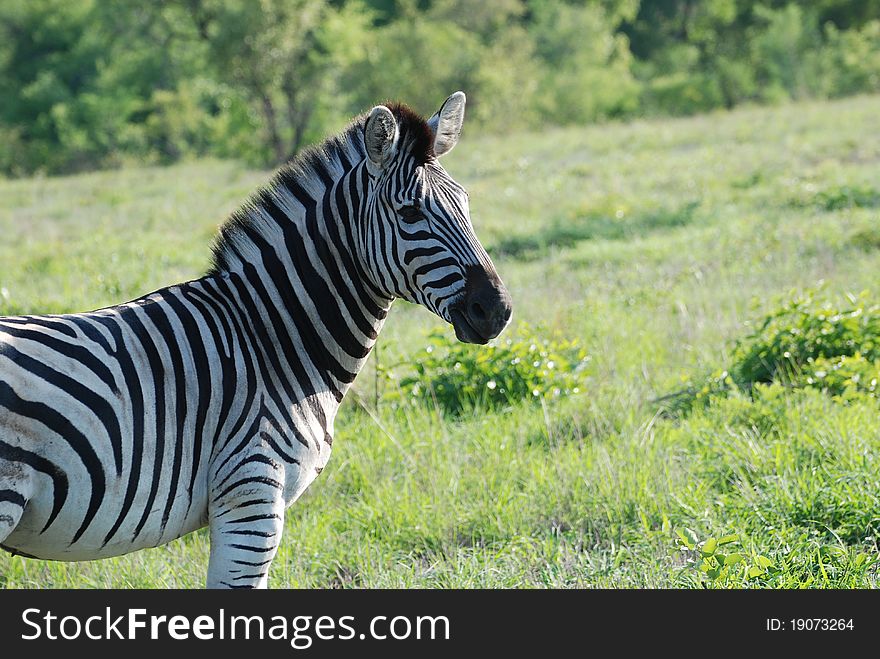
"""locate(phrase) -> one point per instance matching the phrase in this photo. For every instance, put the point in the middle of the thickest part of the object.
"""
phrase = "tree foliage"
(93, 83)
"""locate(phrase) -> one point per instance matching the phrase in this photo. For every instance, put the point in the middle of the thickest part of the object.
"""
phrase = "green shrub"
(847, 377)
(683, 94)
(848, 197)
(585, 69)
(837, 198)
(851, 59)
(459, 377)
(783, 44)
(867, 238)
(672, 81)
(803, 331)
(805, 343)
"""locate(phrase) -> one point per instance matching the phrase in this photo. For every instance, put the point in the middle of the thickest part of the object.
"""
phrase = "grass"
(653, 244)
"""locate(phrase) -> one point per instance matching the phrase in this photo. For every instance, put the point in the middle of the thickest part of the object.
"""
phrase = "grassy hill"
(657, 245)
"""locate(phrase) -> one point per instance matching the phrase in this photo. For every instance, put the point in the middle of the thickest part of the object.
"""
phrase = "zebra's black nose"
(485, 309)
(488, 309)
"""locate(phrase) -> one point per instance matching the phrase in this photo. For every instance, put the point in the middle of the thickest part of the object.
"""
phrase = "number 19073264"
(810, 624)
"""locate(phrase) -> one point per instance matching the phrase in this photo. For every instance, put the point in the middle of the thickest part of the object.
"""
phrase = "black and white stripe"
(212, 402)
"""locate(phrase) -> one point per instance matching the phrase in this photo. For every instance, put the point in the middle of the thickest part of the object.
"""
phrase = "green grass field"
(654, 244)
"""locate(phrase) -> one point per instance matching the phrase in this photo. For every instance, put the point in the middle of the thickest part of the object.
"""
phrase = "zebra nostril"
(477, 312)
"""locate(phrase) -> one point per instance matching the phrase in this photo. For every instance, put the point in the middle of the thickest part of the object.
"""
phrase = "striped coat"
(212, 402)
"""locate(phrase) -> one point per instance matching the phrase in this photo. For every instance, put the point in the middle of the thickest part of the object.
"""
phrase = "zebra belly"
(56, 542)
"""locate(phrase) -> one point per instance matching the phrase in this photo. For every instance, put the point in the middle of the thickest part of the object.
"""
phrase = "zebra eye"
(410, 214)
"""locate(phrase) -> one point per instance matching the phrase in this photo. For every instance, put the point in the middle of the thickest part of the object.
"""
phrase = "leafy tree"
(92, 83)
(46, 64)
(281, 55)
(586, 66)
(782, 41)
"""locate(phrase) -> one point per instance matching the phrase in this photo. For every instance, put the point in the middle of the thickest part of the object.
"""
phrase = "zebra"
(212, 402)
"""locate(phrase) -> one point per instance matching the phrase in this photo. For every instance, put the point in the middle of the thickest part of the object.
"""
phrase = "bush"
(836, 198)
(848, 197)
(585, 72)
(834, 348)
(851, 59)
(683, 94)
(413, 60)
(866, 239)
(803, 331)
(783, 44)
(458, 377)
(847, 377)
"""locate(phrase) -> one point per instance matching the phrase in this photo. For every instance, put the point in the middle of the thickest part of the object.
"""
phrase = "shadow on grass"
(561, 233)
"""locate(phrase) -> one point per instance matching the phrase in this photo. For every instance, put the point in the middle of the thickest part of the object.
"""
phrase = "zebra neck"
(294, 271)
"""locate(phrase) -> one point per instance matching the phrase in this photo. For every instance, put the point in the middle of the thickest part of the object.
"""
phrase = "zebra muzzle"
(484, 310)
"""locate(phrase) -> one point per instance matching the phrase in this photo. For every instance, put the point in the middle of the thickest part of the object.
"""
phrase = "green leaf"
(755, 571)
(727, 539)
(685, 540)
(709, 547)
(733, 559)
(764, 562)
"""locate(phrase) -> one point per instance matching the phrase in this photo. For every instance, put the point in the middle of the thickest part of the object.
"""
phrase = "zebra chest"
(278, 458)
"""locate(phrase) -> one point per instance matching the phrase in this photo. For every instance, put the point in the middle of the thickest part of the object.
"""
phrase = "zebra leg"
(246, 526)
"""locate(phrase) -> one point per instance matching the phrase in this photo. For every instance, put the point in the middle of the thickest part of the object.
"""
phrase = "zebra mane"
(311, 170)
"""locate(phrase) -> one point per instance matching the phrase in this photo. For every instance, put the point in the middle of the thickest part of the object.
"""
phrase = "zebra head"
(419, 241)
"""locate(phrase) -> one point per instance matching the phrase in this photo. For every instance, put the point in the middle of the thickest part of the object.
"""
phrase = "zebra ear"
(446, 124)
(380, 136)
